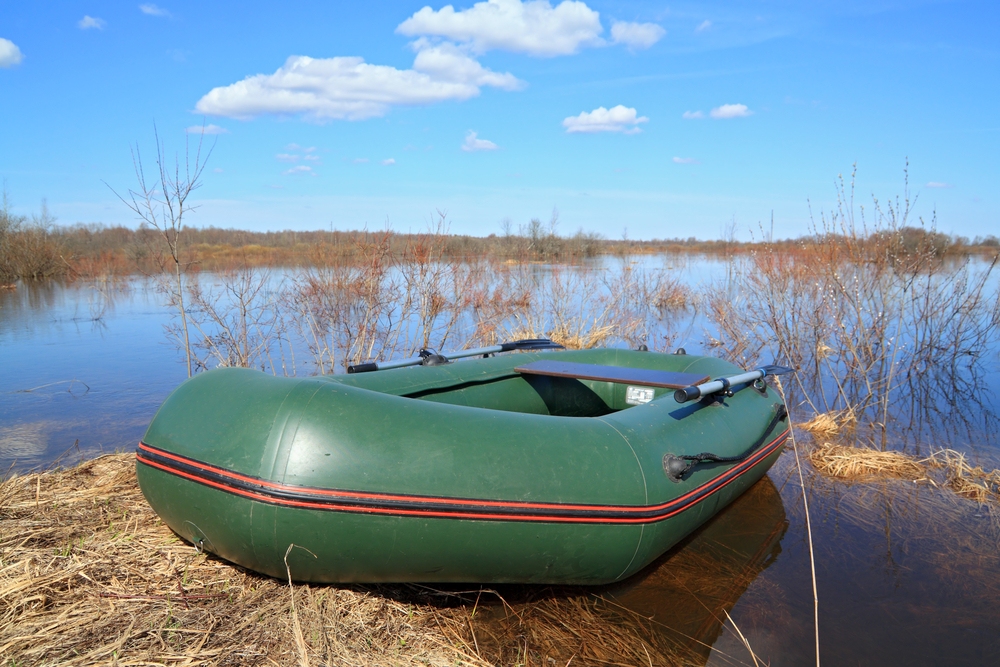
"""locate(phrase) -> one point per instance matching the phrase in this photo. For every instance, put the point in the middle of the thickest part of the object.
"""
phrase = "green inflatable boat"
(541, 467)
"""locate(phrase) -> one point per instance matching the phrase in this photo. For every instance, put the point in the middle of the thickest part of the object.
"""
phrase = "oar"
(723, 384)
(431, 358)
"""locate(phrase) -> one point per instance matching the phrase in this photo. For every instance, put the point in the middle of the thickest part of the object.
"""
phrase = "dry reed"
(829, 424)
(90, 575)
(945, 468)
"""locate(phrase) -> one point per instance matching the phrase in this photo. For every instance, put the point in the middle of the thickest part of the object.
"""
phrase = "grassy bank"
(89, 575)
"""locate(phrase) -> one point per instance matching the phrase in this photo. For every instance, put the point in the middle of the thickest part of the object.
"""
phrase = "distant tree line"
(35, 248)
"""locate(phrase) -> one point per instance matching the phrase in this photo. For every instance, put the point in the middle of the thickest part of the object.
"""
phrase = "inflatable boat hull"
(468, 472)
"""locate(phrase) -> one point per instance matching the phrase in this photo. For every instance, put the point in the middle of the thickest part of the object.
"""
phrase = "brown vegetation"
(90, 575)
(865, 308)
(27, 248)
(944, 468)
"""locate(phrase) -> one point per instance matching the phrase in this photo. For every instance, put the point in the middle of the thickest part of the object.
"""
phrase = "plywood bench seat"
(637, 376)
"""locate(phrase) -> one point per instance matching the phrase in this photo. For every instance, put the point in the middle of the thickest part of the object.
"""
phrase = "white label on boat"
(638, 395)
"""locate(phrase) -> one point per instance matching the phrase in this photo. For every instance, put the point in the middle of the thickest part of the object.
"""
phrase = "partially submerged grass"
(828, 424)
(945, 468)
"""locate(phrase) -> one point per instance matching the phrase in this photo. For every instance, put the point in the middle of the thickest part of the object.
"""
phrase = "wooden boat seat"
(618, 374)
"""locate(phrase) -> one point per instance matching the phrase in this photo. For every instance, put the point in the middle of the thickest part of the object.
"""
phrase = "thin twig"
(805, 505)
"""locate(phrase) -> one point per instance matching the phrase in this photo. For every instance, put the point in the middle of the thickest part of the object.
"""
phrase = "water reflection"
(690, 590)
(672, 612)
(94, 359)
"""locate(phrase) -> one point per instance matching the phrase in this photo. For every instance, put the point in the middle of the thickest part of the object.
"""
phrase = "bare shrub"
(27, 249)
(161, 205)
(861, 308)
(239, 322)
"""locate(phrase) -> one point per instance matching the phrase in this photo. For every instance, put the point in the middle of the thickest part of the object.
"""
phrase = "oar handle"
(524, 344)
(723, 384)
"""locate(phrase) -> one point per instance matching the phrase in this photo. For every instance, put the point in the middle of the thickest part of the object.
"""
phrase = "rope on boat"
(677, 466)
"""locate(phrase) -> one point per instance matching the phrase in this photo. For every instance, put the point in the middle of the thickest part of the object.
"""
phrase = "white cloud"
(311, 157)
(286, 157)
(615, 119)
(692, 115)
(300, 169)
(472, 143)
(938, 184)
(218, 170)
(535, 27)
(703, 26)
(10, 55)
(685, 160)
(730, 111)
(447, 62)
(89, 22)
(348, 88)
(207, 129)
(636, 35)
(389, 162)
(152, 10)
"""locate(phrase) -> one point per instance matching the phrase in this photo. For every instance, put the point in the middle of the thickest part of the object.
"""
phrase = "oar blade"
(531, 344)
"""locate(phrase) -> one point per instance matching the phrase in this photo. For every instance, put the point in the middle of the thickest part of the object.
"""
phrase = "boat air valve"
(675, 467)
(432, 358)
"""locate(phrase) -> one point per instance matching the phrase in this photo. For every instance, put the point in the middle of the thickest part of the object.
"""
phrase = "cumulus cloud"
(535, 27)
(447, 62)
(938, 184)
(692, 115)
(300, 170)
(310, 156)
(472, 143)
(91, 23)
(730, 111)
(348, 88)
(703, 26)
(685, 160)
(10, 55)
(286, 157)
(636, 35)
(389, 162)
(615, 119)
(152, 10)
(207, 129)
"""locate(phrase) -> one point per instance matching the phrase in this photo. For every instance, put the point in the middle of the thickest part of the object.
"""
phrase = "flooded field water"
(907, 573)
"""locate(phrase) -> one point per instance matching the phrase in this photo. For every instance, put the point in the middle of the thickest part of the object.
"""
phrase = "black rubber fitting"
(435, 360)
(675, 467)
(366, 367)
(687, 394)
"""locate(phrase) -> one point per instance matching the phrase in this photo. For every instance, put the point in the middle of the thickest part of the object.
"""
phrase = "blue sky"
(662, 119)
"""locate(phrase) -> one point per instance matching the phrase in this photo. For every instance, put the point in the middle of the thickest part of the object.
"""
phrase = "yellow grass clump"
(829, 424)
(946, 468)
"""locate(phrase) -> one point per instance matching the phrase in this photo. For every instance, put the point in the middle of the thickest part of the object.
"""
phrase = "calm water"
(907, 574)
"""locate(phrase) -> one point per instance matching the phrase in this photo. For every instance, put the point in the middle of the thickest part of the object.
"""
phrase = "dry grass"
(849, 462)
(89, 574)
(946, 468)
(829, 424)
